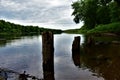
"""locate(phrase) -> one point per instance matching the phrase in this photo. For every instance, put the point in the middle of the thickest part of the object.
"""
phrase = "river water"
(25, 54)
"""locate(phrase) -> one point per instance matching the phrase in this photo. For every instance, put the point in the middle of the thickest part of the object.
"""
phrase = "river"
(25, 54)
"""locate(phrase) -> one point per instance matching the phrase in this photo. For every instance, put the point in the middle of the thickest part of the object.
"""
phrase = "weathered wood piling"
(48, 55)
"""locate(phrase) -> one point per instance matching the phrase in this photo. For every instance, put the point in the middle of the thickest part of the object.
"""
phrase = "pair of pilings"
(48, 53)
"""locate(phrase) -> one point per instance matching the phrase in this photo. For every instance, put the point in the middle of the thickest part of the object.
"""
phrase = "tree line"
(11, 28)
(96, 12)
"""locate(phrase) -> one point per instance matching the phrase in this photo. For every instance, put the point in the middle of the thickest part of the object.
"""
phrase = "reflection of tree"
(4, 39)
(103, 60)
(2, 43)
(8, 38)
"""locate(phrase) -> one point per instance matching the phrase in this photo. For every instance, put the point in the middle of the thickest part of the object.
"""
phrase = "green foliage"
(103, 15)
(96, 12)
(115, 12)
(78, 11)
(90, 13)
(83, 10)
(107, 28)
(11, 28)
(113, 28)
(104, 2)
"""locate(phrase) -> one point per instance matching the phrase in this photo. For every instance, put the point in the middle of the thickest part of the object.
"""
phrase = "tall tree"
(114, 12)
(95, 12)
(78, 11)
(103, 15)
(85, 10)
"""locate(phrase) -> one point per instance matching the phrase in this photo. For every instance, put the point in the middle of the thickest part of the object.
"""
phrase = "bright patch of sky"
(43, 13)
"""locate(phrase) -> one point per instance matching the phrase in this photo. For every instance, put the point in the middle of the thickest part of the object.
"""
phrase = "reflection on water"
(101, 59)
(76, 51)
(98, 62)
(22, 54)
(64, 65)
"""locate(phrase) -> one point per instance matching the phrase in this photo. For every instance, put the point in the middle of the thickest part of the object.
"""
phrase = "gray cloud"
(37, 11)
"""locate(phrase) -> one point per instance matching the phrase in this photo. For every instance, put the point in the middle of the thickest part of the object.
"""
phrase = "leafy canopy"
(95, 12)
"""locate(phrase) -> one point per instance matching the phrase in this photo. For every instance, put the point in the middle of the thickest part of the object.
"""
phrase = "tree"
(114, 12)
(85, 10)
(11, 28)
(104, 2)
(78, 11)
(118, 2)
(95, 12)
(103, 15)
(90, 14)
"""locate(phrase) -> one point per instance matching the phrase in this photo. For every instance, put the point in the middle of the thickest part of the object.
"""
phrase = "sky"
(44, 13)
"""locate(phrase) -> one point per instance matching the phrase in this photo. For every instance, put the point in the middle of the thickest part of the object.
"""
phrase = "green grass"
(108, 28)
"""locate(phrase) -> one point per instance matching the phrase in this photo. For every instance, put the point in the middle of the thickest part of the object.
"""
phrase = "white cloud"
(37, 11)
(11, 5)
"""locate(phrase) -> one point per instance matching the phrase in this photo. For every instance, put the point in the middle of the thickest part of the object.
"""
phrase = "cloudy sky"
(44, 13)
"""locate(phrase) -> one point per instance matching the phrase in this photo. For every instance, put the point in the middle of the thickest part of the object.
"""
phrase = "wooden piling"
(48, 55)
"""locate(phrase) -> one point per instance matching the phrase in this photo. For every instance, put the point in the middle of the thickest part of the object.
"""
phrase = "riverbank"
(112, 29)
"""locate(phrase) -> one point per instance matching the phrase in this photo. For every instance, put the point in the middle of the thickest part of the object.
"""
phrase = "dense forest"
(97, 13)
(7, 28)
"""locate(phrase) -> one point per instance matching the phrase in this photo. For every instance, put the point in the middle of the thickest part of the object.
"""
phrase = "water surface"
(25, 53)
